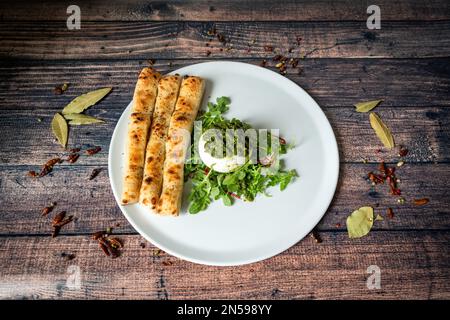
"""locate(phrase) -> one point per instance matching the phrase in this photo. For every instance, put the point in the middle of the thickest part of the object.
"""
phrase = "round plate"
(248, 231)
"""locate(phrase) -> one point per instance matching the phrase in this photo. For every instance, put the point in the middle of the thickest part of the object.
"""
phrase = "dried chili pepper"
(66, 221)
(282, 68)
(221, 38)
(48, 166)
(403, 152)
(315, 235)
(33, 173)
(56, 231)
(48, 209)
(293, 63)
(212, 31)
(387, 174)
(390, 213)
(382, 167)
(113, 252)
(94, 173)
(114, 242)
(421, 202)
(58, 222)
(375, 178)
(277, 58)
(68, 256)
(73, 157)
(390, 171)
(393, 186)
(97, 235)
(61, 89)
(93, 150)
(58, 218)
(104, 248)
(109, 245)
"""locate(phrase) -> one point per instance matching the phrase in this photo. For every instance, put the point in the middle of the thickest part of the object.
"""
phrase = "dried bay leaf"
(80, 119)
(383, 132)
(81, 103)
(367, 106)
(60, 129)
(360, 222)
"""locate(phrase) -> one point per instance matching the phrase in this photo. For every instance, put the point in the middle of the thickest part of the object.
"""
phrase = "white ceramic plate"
(248, 231)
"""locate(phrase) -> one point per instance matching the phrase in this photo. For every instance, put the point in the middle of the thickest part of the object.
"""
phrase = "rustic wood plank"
(331, 82)
(32, 268)
(94, 207)
(424, 131)
(140, 40)
(231, 10)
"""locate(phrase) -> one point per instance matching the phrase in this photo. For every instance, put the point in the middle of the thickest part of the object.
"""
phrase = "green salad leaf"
(245, 183)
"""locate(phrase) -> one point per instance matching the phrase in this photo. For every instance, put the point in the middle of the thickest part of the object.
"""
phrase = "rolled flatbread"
(145, 92)
(178, 141)
(168, 88)
(138, 128)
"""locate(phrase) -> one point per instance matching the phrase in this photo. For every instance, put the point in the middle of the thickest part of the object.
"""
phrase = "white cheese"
(225, 164)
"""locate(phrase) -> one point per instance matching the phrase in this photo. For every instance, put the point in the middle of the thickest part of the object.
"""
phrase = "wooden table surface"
(406, 63)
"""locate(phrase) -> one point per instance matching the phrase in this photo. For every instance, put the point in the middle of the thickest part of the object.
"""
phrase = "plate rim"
(179, 255)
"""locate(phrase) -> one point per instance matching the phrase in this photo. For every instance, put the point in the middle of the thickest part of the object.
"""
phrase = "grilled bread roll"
(178, 141)
(145, 91)
(140, 119)
(168, 88)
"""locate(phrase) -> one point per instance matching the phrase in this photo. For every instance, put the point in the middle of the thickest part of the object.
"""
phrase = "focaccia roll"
(138, 129)
(178, 141)
(168, 88)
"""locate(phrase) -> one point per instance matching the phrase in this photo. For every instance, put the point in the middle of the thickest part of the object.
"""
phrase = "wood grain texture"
(218, 10)
(26, 95)
(334, 269)
(141, 40)
(331, 82)
(426, 134)
(93, 204)
(406, 63)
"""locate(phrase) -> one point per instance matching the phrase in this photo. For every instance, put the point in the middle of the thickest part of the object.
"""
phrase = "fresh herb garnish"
(246, 182)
